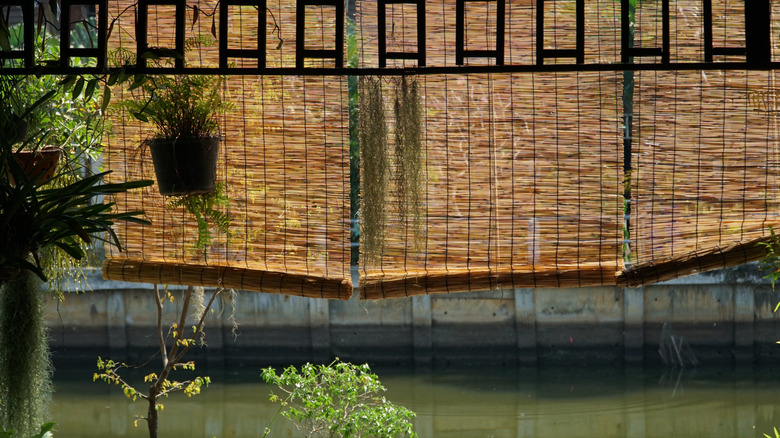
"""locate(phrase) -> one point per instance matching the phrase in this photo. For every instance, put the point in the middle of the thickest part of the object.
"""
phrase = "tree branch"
(160, 339)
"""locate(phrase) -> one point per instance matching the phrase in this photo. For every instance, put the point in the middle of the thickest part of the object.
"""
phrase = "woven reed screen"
(285, 159)
(523, 181)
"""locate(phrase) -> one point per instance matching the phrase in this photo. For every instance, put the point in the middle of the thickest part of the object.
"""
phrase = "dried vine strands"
(409, 175)
(375, 167)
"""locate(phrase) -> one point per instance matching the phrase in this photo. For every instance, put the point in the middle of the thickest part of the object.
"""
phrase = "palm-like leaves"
(33, 217)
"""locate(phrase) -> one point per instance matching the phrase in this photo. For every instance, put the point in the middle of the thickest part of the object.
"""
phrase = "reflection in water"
(466, 403)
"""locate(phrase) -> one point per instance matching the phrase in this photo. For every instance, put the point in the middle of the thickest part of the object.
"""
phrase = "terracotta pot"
(39, 166)
(185, 165)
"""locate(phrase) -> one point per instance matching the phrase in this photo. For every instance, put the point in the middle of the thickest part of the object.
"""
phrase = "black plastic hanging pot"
(186, 165)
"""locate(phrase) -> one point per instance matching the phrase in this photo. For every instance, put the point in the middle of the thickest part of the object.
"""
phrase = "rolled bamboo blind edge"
(465, 281)
(693, 263)
(227, 277)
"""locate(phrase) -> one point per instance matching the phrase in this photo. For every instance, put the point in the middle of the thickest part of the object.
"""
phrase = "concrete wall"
(724, 316)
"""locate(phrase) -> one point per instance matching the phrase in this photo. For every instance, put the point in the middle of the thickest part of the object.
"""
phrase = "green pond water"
(465, 403)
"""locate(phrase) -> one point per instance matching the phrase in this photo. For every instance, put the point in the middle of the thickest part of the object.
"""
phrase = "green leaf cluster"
(179, 106)
(338, 400)
(33, 218)
(45, 432)
(67, 112)
(209, 208)
(160, 383)
(771, 261)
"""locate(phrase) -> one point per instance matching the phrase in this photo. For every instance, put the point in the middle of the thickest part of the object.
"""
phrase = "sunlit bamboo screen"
(284, 157)
(527, 183)
(527, 179)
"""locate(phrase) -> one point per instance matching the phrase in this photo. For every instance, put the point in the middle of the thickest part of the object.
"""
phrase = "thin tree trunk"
(151, 415)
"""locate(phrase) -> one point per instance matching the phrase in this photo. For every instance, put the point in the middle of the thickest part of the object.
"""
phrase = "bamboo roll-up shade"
(523, 171)
(705, 168)
(285, 161)
(523, 187)
(527, 179)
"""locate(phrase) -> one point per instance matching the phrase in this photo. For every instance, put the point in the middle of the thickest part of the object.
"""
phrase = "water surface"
(463, 403)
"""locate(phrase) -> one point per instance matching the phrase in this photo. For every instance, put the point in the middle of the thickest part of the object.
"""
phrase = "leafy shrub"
(338, 400)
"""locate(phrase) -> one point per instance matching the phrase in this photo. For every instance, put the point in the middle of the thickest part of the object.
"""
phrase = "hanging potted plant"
(185, 146)
(19, 124)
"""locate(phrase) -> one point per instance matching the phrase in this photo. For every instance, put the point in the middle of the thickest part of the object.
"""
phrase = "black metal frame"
(26, 55)
(301, 52)
(66, 51)
(460, 33)
(225, 53)
(384, 55)
(628, 51)
(578, 53)
(142, 29)
(757, 50)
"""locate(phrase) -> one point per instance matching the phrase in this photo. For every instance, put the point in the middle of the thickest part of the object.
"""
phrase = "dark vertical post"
(539, 32)
(339, 34)
(707, 15)
(627, 43)
(141, 31)
(500, 31)
(421, 33)
(102, 43)
(757, 31)
(626, 33)
(223, 33)
(65, 34)
(460, 31)
(580, 12)
(300, 33)
(665, 29)
(181, 18)
(382, 28)
(262, 38)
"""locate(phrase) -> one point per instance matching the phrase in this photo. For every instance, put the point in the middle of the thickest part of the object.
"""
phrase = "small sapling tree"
(338, 400)
(174, 341)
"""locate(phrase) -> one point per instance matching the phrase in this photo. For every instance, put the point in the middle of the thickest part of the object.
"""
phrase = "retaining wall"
(724, 316)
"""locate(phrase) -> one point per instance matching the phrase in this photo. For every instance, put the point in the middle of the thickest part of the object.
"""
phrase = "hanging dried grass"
(25, 363)
(409, 160)
(375, 165)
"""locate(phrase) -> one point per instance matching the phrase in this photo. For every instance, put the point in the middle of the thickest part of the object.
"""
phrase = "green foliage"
(58, 110)
(208, 208)
(776, 435)
(174, 342)
(25, 366)
(34, 218)
(64, 215)
(771, 261)
(45, 432)
(109, 372)
(65, 111)
(338, 400)
(179, 106)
